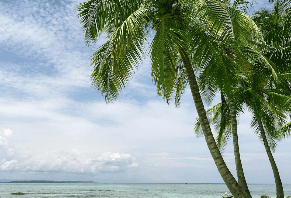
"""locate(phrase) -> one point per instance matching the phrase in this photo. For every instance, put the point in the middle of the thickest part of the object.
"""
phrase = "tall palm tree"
(268, 106)
(226, 124)
(177, 23)
(228, 58)
(277, 34)
(221, 75)
(276, 28)
(269, 110)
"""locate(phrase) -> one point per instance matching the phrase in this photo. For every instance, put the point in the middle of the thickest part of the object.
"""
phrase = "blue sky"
(55, 125)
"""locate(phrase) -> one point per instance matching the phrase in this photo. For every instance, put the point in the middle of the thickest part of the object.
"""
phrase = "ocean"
(63, 190)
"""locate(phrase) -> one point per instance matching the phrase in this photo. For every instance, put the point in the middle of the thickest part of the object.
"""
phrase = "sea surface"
(130, 190)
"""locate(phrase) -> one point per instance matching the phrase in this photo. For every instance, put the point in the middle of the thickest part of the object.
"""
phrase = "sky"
(54, 125)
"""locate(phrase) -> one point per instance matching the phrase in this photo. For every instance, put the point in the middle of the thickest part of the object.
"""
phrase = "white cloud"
(69, 162)
(8, 132)
(160, 137)
(47, 138)
(4, 135)
(3, 142)
(53, 39)
(8, 165)
(56, 161)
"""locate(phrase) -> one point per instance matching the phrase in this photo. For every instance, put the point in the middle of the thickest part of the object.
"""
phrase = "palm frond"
(221, 122)
(180, 82)
(115, 60)
(224, 133)
(268, 63)
(168, 71)
(162, 62)
(95, 15)
(211, 113)
(130, 34)
(284, 131)
(244, 28)
(272, 141)
(281, 99)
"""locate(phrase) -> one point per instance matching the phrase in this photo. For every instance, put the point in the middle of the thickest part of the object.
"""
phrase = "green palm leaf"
(95, 15)
(114, 61)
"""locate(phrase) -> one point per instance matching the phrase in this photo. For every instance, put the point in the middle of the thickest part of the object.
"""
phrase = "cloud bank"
(53, 161)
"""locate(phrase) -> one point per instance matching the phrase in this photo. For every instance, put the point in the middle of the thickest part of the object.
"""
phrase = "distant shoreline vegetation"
(44, 181)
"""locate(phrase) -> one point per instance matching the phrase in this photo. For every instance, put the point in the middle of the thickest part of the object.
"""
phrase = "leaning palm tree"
(269, 109)
(176, 24)
(229, 57)
(221, 74)
(276, 28)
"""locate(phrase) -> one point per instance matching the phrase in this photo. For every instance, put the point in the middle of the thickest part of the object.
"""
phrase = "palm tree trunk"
(279, 186)
(226, 175)
(239, 169)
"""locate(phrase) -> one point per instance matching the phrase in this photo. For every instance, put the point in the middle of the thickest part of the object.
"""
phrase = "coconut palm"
(276, 28)
(181, 28)
(277, 34)
(228, 59)
(269, 109)
(222, 75)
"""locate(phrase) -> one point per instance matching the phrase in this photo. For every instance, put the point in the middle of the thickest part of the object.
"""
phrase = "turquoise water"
(130, 190)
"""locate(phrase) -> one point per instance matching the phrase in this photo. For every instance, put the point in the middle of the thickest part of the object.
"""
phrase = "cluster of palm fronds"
(246, 60)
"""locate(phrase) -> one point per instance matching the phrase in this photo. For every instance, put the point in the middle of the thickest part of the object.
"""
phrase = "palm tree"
(177, 23)
(228, 59)
(221, 74)
(277, 34)
(268, 108)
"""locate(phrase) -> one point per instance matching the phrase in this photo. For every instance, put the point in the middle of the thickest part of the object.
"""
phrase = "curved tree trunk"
(279, 186)
(226, 175)
(239, 169)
